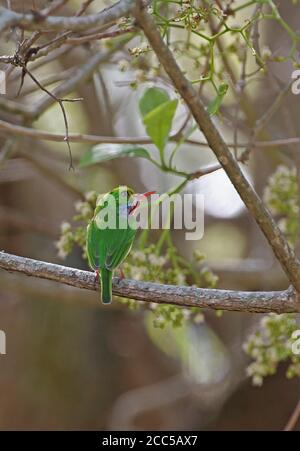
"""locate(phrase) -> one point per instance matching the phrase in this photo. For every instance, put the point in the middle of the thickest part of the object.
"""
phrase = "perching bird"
(110, 234)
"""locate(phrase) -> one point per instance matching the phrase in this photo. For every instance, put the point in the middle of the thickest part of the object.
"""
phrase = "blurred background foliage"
(72, 363)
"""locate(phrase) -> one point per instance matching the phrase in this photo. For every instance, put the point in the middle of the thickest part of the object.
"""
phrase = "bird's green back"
(108, 247)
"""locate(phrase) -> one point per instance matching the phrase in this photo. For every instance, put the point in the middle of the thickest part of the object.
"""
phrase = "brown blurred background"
(72, 363)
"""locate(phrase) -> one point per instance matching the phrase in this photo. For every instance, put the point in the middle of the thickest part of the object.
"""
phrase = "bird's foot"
(122, 275)
(96, 275)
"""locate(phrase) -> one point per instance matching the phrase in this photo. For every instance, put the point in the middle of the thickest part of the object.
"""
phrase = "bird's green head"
(121, 195)
(122, 192)
(125, 200)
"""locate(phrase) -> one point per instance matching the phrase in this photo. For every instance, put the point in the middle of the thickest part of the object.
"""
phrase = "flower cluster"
(170, 268)
(270, 345)
(272, 342)
(193, 17)
(281, 196)
(140, 69)
(138, 51)
(77, 234)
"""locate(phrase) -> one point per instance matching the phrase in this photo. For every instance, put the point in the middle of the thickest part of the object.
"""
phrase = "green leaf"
(215, 104)
(105, 152)
(158, 112)
(158, 123)
(152, 98)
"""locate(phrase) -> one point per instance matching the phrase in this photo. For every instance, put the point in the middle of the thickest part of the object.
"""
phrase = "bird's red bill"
(149, 193)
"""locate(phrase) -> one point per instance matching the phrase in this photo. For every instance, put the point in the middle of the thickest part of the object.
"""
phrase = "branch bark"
(34, 21)
(268, 226)
(28, 132)
(259, 302)
(293, 420)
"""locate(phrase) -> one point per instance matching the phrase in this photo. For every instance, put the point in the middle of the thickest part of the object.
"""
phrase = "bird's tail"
(106, 286)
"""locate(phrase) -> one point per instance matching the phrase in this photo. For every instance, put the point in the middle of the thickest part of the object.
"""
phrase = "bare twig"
(293, 420)
(58, 40)
(36, 21)
(48, 80)
(81, 75)
(263, 121)
(61, 104)
(83, 7)
(53, 7)
(205, 171)
(57, 94)
(28, 132)
(78, 40)
(7, 150)
(259, 302)
(103, 96)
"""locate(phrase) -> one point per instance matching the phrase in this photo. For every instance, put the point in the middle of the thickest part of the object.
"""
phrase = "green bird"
(110, 234)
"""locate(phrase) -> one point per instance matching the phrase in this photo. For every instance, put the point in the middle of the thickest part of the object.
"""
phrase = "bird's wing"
(107, 248)
(118, 247)
(95, 246)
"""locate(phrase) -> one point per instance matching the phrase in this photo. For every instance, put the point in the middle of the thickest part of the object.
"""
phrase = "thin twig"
(19, 130)
(54, 7)
(36, 21)
(263, 121)
(207, 170)
(293, 420)
(61, 104)
(49, 80)
(81, 75)
(7, 150)
(98, 36)
(61, 38)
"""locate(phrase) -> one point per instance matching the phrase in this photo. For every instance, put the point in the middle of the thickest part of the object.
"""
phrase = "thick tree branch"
(36, 21)
(268, 226)
(243, 301)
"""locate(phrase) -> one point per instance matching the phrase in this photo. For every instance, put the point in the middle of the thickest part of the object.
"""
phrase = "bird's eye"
(123, 193)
